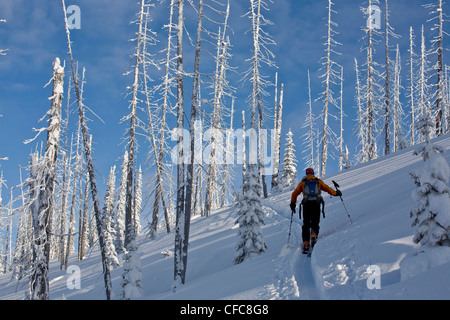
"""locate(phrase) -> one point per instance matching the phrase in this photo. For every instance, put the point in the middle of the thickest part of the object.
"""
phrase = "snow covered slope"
(344, 263)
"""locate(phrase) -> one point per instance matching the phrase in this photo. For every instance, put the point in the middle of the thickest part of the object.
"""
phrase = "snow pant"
(311, 219)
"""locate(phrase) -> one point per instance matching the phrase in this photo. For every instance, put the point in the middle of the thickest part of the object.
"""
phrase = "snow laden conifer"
(132, 275)
(250, 217)
(120, 207)
(289, 176)
(108, 211)
(138, 202)
(431, 216)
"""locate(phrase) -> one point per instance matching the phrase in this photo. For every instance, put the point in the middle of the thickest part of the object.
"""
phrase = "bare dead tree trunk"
(387, 110)
(90, 168)
(178, 255)
(191, 164)
(43, 220)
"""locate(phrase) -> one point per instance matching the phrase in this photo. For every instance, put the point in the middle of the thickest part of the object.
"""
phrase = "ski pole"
(290, 226)
(342, 200)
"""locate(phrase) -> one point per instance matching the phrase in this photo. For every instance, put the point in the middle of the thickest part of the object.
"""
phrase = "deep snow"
(344, 263)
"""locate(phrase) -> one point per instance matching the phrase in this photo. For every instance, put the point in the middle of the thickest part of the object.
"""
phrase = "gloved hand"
(292, 205)
(338, 193)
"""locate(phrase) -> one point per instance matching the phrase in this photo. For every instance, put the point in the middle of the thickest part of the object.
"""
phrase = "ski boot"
(313, 239)
(305, 247)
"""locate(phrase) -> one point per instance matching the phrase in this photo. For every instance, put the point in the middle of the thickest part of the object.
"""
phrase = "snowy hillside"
(378, 197)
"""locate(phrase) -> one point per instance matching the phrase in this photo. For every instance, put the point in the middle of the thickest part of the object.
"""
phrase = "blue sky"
(35, 35)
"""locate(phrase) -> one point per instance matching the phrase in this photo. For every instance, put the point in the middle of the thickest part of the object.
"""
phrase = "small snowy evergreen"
(120, 207)
(432, 195)
(289, 177)
(250, 216)
(108, 211)
(132, 276)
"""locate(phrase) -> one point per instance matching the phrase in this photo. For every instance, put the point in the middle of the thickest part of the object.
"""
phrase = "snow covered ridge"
(372, 258)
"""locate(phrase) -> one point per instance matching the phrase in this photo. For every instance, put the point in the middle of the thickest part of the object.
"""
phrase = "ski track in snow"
(285, 286)
(293, 276)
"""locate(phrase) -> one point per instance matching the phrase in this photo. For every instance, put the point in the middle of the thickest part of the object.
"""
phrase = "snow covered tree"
(83, 244)
(2, 182)
(101, 229)
(67, 244)
(43, 216)
(250, 218)
(138, 202)
(167, 83)
(180, 217)
(66, 181)
(132, 275)
(120, 207)
(412, 85)
(341, 112)
(22, 248)
(229, 160)
(185, 185)
(331, 76)
(360, 127)
(221, 88)
(33, 185)
(387, 100)
(346, 160)
(6, 220)
(309, 136)
(195, 108)
(108, 211)
(399, 141)
(289, 175)
(431, 216)
(277, 124)
(438, 42)
(389, 31)
(370, 91)
(140, 60)
(261, 55)
(424, 88)
(243, 151)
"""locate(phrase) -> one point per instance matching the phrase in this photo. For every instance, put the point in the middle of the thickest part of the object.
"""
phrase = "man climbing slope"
(311, 187)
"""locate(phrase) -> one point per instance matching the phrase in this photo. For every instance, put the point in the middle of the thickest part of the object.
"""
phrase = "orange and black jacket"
(301, 186)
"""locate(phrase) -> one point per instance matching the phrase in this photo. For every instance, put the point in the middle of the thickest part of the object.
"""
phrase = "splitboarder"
(311, 187)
